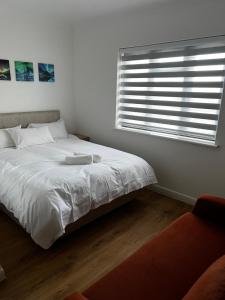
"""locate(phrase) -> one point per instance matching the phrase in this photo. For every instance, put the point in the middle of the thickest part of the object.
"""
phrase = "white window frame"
(214, 143)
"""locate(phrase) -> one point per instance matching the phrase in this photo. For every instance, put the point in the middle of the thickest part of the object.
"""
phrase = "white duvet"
(46, 195)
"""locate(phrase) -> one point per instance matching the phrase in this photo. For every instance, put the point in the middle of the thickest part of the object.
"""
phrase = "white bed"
(46, 195)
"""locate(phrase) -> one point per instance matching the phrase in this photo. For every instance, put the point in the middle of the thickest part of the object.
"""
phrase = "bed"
(50, 199)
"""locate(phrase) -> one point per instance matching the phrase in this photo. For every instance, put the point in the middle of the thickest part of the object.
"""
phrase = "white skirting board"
(173, 194)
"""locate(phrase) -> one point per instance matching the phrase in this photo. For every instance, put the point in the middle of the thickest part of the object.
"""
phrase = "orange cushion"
(167, 266)
(211, 285)
(76, 296)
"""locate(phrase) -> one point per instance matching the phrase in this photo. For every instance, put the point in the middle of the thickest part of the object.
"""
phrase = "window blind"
(172, 89)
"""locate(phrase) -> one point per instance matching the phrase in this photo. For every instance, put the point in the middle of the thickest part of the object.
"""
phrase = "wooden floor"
(78, 260)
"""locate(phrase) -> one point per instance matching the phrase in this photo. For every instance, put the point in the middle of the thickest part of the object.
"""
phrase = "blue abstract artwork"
(46, 72)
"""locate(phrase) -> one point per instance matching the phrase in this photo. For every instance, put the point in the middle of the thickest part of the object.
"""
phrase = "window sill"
(170, 137)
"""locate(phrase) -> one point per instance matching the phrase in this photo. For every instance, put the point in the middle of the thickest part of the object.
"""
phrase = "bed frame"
(8, 120)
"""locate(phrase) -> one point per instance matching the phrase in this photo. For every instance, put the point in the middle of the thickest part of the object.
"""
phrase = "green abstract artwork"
(24, 71)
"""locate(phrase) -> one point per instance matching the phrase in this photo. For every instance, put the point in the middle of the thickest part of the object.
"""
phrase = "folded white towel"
(95, 157)
(79, 160)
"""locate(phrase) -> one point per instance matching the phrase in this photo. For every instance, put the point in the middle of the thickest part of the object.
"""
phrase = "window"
(172, 89)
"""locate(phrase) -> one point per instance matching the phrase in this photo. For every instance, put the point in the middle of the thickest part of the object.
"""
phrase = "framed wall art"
(46, 72)
(5, 70)
(24, 71)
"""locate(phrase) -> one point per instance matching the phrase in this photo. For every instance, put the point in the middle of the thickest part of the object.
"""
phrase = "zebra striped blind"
(173, 89)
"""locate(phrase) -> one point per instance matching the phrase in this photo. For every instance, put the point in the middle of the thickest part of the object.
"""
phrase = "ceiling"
(70, 9)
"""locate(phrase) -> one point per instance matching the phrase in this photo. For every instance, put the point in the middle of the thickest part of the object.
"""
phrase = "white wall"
(182, 167)
(35, 39)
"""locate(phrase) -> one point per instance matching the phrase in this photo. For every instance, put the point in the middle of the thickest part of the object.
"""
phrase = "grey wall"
(36, 39)
(182, 167)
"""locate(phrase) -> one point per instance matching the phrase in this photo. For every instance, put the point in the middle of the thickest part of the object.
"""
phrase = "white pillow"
(5, 139)
(57, 129)
(30, 136)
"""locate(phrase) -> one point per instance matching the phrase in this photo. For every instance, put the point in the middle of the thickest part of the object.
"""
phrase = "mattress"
(46, 195)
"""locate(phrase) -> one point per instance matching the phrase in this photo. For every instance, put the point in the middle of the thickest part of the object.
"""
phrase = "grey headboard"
(8, 120)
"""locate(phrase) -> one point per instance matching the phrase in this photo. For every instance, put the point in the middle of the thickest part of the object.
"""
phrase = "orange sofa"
(185, 261)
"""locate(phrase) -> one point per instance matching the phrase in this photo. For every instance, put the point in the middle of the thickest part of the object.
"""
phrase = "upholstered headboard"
(8, 120)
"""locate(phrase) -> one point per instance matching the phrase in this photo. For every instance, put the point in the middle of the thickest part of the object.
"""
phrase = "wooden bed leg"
(2, 274)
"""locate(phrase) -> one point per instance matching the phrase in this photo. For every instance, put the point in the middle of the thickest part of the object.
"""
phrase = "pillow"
(5, 138)
(30, 136)
(211, 285)
(57, 129)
